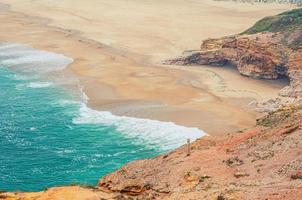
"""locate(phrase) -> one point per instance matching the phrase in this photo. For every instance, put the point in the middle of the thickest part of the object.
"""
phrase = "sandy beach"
(117, 47)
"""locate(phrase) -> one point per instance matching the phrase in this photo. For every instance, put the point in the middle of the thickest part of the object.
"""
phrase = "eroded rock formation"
(267, 54)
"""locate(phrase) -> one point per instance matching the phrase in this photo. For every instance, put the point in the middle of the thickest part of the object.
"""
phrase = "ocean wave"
(39, 84)
(65, 102)
(9, 46)
(34, 85)
(152, 133)
(20, 86)
(28, 59)
(20, 77)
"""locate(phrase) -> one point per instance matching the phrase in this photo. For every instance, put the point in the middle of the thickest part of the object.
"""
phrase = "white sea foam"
(28, 59)
(165, 135)
(84, 97)
(9, 46)
(39, 84)
(20, 77)
(65, 102)
(34, 85)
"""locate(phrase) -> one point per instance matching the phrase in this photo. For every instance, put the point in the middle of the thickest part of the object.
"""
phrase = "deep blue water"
(41, 145)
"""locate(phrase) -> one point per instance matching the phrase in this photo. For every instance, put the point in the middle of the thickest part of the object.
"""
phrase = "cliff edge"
(262, 163)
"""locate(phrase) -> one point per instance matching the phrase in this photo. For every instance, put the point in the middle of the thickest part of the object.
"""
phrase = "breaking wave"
(39, 84)
(165, 135)
(27, 59)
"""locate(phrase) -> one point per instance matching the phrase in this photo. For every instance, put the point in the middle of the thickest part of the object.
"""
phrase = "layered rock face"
(266, 54)
(257, 56)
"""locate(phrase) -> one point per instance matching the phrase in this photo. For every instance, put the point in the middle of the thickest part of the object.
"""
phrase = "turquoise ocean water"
(49, 137)
(41, 146)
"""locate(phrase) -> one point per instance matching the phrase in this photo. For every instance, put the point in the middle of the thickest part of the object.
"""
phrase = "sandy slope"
(264, 162)
(117, 46)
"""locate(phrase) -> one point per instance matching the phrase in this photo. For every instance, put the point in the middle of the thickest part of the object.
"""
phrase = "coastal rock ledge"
(270, 49)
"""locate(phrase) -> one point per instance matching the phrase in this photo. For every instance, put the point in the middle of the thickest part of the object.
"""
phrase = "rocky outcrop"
(263, 54)
(295, 74)
(199, 57)
(262, 163)
(260, 55)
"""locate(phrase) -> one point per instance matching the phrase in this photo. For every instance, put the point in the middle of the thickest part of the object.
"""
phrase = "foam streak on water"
(164, 135)
(39, 84)
(27, 59)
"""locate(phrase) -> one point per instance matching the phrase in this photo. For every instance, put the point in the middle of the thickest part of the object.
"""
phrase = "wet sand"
(117, 47)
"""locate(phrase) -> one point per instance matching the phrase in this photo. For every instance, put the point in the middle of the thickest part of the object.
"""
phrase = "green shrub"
(287, 21)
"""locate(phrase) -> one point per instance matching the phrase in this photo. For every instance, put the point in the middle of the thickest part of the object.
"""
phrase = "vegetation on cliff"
(287, 23)
(296, 2)
(283, 22)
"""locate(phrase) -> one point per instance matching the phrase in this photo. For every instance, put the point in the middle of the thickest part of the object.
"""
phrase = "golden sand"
(117, 47)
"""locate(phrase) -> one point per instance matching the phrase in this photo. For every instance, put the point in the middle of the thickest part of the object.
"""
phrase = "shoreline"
(70, 119)
(237, 161)
(128, 80)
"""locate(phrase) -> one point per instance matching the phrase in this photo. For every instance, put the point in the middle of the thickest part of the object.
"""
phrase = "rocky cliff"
(268, 50)
(262, 163)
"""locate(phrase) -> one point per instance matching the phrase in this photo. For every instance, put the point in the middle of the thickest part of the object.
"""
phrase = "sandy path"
(117, 46)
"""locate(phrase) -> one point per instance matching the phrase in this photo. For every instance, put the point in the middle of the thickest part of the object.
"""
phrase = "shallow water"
(49, 137)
